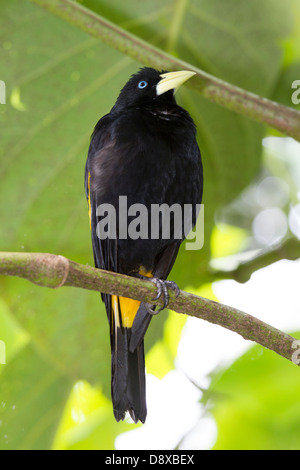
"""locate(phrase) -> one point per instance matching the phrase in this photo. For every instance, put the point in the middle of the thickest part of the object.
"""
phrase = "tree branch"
(290, 250)
(55, 271)
(282, 118)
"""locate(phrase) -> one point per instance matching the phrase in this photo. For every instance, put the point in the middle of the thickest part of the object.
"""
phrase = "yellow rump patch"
(128, 307)
(145, 273)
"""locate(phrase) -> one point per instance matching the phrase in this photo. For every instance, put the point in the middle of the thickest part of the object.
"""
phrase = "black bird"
(145, 150)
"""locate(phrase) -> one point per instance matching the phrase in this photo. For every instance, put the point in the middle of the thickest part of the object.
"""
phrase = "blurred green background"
(55, 385)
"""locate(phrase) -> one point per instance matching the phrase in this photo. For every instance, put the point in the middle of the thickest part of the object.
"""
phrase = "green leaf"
(87, 422)
(160, 358)
(11, 334)
(285, 90)
(257, 405)
(290, 71)
(227, 240)
(59, 82)
(33, 394)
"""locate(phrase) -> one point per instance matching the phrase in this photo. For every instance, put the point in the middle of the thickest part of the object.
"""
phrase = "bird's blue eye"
(142, 84)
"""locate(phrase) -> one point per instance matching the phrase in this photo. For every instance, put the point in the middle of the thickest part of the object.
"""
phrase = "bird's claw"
(162, 289)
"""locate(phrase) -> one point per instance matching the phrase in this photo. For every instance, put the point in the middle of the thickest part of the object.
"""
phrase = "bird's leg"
(162, 289)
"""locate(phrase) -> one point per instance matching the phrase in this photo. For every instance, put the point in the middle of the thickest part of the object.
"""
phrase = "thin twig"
(55, 271)
(282, 118)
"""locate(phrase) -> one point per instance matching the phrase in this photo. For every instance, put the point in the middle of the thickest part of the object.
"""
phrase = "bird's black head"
(149, 86)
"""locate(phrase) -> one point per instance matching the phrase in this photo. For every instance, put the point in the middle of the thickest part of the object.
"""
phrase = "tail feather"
(128, 385)
(139, 327)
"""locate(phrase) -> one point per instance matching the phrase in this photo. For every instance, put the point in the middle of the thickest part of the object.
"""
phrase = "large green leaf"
(33, 394)
(256, 404)
(291, 70)
(59, 82)
(58, 95)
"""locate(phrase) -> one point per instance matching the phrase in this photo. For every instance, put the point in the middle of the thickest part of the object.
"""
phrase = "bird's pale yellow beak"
(172, 81)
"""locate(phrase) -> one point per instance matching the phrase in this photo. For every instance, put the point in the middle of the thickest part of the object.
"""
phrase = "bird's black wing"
(104, 250)
(167, 257)
(128, 368)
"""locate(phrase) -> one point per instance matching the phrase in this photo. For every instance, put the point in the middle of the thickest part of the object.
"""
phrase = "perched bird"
(145, 151)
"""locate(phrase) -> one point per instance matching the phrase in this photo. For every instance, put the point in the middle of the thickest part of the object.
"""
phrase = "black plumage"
(144, 149)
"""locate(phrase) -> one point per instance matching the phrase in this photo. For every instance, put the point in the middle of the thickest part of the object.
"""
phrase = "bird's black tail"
(128, 387)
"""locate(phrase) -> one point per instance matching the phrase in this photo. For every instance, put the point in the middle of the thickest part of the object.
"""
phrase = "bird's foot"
(162, 289)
